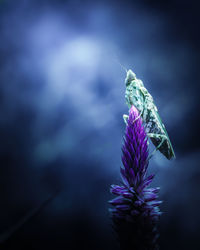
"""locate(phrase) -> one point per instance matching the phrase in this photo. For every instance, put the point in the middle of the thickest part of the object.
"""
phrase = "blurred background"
(61, 127)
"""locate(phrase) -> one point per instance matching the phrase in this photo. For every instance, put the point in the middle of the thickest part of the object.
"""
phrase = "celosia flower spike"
(136, 209)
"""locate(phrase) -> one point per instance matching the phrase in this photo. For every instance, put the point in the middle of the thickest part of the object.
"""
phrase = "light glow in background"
(62, 101)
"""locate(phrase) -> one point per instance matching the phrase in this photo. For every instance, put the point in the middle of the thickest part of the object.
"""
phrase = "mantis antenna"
(117, 60)
(122, 66)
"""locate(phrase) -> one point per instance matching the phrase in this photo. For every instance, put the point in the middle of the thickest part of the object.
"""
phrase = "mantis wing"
(161, 138)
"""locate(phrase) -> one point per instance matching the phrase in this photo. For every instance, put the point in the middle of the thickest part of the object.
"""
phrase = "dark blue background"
(61, 106)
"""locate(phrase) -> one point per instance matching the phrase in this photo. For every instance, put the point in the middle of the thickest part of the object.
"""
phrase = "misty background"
(61, 127)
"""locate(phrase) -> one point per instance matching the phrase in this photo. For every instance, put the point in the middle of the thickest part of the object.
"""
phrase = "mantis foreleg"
(125, 117)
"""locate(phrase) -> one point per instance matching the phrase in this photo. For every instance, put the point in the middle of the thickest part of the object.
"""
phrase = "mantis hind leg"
(159, 136)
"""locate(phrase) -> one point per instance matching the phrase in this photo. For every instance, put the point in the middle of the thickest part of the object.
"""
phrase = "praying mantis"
(136, 94)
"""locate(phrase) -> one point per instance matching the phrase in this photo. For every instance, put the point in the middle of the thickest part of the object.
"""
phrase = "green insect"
(136, 94)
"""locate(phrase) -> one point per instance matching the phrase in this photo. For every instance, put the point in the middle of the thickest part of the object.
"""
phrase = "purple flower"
(136, 208)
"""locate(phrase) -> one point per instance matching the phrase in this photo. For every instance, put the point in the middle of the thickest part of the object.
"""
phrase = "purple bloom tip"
(134, 198)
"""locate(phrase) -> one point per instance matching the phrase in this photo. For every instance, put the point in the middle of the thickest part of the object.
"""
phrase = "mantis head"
(131, 80)
(130, 76)
(133, 92)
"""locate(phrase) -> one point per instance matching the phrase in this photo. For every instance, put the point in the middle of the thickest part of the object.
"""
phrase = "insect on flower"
(136, 94)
